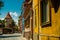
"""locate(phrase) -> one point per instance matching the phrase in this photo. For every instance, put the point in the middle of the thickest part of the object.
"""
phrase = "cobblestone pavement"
(12, 37)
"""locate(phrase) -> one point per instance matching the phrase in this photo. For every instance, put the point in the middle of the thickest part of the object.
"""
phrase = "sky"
(12, 6)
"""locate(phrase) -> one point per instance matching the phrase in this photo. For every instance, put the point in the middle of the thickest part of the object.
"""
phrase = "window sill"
(46, 24)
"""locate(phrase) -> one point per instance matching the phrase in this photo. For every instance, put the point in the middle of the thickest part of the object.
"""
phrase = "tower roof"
(8, 15)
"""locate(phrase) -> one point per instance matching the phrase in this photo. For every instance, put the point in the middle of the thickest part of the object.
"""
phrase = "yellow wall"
(53, 30)
(35, 19)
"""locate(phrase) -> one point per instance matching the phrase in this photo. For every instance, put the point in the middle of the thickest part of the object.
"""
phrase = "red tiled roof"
(8, 15)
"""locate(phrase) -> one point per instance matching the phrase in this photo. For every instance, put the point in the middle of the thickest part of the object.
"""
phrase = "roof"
(8, 15)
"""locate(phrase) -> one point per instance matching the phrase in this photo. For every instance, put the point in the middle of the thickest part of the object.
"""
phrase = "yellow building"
(35, 20)
(46, 21)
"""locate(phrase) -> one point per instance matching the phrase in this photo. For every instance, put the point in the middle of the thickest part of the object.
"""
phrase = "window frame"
(45, 24)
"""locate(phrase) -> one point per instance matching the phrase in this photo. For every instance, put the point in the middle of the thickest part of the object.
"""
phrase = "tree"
(1, 4)
(2, 23)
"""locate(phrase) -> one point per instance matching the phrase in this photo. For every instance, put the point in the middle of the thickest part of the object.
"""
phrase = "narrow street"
(12, 37)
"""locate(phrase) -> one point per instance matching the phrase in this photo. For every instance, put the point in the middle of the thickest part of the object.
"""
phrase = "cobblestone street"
(12, 37)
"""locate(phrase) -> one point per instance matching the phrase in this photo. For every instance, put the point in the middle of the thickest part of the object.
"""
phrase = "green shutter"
(44, 11)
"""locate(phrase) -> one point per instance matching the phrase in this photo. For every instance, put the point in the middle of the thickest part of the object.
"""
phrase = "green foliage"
(1, 4)
(2, 23)
(16, 28)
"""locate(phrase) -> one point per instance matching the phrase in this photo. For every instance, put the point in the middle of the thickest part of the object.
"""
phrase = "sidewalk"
(23, 38)
(13, 35)
(9, 35)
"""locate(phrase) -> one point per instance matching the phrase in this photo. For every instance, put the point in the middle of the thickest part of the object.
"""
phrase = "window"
(7, 19)
(55, 4)
(45, 13)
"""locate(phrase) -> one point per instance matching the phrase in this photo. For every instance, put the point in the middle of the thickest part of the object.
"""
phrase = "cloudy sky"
(12, 6)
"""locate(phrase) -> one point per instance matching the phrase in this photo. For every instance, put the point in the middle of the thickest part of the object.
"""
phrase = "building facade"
(28, 18)
(35, 20)
(20, 23)
(8, 24)
(46, 19)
